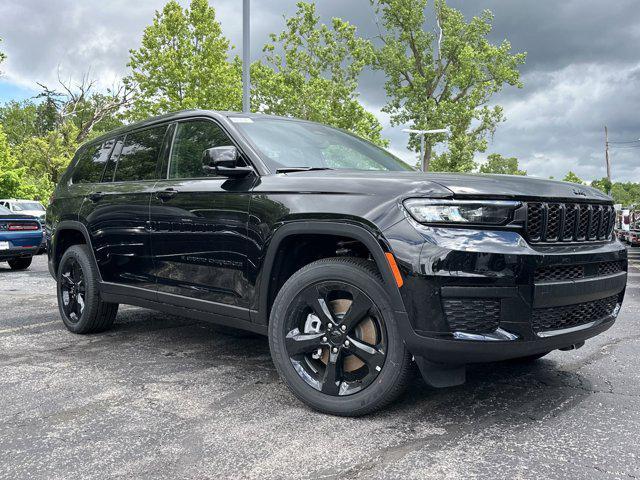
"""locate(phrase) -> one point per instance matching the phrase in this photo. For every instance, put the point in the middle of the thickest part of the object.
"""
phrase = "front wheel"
(334, 339)
(21, 263)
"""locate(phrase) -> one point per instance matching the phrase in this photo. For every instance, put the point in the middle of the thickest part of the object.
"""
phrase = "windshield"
(284, 144)
(26, 206)
(4, 211)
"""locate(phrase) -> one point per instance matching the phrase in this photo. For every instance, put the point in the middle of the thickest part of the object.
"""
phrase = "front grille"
(558, 273)
(558, 318)
(569, 222)
(472, 315)
(609, 268)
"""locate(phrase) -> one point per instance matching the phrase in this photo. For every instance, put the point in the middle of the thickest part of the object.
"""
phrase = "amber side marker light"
(394, 269)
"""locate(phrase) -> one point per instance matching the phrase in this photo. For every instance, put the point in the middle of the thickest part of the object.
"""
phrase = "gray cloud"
(582, 70)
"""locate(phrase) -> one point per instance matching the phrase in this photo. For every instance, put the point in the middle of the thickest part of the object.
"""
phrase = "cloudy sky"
(582, 70)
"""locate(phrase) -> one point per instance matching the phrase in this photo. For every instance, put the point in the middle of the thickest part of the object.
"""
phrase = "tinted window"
(139, 155)
(191, 140)
(110, 169)
(91, 162)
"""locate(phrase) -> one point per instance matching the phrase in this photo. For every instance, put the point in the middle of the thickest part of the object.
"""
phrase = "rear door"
(199, 226)
(116, 211)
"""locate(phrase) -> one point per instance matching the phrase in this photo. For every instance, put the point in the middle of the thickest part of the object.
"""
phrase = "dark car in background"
(21, 237)
(355, 266)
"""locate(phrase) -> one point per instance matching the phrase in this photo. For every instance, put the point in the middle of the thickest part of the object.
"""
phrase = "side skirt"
(148, 299)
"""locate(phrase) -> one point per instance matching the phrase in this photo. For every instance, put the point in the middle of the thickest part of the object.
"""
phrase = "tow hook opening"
(573, 346)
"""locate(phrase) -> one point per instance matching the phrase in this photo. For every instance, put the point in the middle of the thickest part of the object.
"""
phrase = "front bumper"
(479, 296)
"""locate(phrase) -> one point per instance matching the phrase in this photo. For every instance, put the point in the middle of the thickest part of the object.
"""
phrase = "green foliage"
(443, 79)
(15, 180)
(573, 178)
(311, 71)
(603, 184)
(182, 63)
(626, 193)
(496, 163)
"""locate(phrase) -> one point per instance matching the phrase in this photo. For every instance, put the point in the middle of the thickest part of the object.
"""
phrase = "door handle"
(167, 194)
(96, 196)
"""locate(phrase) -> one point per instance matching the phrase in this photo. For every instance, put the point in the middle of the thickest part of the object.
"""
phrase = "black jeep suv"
(356, 267)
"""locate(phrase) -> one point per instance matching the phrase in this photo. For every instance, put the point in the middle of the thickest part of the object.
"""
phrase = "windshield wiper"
(300, 169)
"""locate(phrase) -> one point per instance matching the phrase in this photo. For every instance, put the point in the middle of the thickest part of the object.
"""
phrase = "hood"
(439, 185)
(514, 186)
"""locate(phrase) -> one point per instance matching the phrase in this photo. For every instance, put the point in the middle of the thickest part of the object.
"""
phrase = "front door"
(199, 227)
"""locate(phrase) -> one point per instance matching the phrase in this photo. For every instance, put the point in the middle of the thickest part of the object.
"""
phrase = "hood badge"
(577, 191)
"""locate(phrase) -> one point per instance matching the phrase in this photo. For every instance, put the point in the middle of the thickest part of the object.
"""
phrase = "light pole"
(246, 57)
(422, 133)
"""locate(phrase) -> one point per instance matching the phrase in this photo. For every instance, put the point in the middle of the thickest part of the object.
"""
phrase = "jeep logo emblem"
(577, 191)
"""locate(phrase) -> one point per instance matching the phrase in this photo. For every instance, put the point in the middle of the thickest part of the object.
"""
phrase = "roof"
(179, 115)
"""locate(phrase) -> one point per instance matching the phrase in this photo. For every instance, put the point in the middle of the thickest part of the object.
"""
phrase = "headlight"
(479, 212)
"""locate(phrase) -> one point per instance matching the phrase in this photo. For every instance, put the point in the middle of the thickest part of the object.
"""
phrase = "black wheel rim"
(336, 352)
(72, 289)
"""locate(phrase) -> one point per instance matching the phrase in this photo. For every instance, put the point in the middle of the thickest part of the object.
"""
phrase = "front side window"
(286, 143)
(191, 140)
(91, 163)
(139, 156)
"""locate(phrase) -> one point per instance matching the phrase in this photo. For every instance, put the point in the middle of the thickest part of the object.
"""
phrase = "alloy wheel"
(72, 289)
(336, 338)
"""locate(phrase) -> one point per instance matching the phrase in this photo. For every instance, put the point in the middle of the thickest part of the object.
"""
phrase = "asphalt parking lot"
(164, 397)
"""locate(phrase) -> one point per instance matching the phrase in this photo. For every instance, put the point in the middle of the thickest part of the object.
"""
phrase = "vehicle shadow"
(507, 392)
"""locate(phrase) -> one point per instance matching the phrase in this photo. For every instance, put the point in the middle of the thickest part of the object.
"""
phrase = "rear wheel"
(21, 263)
(334, 339)
(81, 308)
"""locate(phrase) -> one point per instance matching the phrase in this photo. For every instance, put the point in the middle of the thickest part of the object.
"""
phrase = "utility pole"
(606, 153)
(246, 57)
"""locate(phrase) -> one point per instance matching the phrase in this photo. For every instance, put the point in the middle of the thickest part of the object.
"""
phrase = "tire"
(21, 263)
(340, 397)
(89, 313)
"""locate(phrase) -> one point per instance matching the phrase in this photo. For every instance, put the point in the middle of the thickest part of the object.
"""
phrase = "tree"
(14, 178)
(311, 71)
(443, 79)
(496, 163)
(625, 193)
(44, 136)
(573, 178)
(183, 63)
(603, 184)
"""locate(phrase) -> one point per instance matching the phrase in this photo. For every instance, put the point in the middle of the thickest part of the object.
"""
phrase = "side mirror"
(223, 161)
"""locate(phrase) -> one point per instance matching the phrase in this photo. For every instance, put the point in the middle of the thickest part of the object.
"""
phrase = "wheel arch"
(374, 243)
(67, 234)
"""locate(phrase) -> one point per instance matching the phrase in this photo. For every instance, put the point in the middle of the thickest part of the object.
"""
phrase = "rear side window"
(139, 155)
(110, 169)
(191, 140)
(91, 162)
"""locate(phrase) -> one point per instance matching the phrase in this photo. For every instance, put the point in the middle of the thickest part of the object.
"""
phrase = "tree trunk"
(427, 157)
